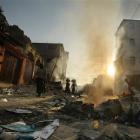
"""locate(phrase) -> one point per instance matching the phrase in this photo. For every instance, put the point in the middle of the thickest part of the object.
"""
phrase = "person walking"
(67, 88)
(40, 80)
(73, 87)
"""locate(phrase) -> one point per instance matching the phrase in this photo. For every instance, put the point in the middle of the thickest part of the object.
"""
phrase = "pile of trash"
(8, 91)
(18, 90)
(78, 109)
(29, 115)
(112, 132)
(55, 87)
(80, 129)
(57, 101)
(131, 104)
(109, 110)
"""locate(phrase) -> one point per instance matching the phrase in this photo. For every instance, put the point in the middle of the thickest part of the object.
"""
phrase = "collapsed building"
(128, 56)
(55, 58)
(19, 60)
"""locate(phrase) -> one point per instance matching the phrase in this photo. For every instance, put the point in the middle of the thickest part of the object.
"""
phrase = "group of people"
(40, 78)
(71, 88)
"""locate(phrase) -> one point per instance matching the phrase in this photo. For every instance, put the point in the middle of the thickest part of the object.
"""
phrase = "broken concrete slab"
(119, 132)
(19, 111)
(64, 133)
(47, 131)
(126, 102)
(88, 135)
(109, 109)
(78, 110)
(7, 91)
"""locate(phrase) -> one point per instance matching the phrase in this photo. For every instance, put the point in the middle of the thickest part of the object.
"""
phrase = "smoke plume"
(99, 30)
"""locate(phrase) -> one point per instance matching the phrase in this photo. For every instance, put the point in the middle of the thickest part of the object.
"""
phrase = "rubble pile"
(78, 120)
(109, 110)
(13, 115)
(26, 89)
(78, 109)
(119, 132)
(131, 104)
(84, 131)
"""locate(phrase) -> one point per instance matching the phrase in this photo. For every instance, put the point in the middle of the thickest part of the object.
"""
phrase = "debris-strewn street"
(69, 70)
(77, 120)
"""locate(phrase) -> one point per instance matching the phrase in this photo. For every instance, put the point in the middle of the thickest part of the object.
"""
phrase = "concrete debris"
(65, 133)
(78, 109)
(78, 120)
(27, 132)
(19, 111)
(7, 117)
(18, 127)
(119, 132)
(56, 102)
(88, 135)
(18, 90)
(7, 91)
(46, 132)
(131, 106)
(126, 102)
(109, 110)
(56, 86)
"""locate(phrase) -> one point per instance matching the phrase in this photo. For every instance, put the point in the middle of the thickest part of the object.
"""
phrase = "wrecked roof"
(49, 50)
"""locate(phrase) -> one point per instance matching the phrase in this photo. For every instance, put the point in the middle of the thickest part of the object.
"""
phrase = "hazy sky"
(83, 26)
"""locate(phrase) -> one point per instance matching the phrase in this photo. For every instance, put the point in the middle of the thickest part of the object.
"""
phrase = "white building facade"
(128, 56)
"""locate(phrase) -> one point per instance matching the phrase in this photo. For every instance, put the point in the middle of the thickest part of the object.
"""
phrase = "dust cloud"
(99, 28)
(101, 34)
(99, 91)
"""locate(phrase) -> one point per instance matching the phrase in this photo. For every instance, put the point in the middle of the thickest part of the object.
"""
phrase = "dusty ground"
(72, 127)
(21, 101)
(2, 84)
(31, 103)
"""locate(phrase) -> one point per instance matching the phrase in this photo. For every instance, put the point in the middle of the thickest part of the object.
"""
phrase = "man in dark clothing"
(40, 80)
(73, 87)
(67, 88)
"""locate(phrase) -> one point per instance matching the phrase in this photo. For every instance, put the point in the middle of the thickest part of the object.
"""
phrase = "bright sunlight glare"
(111, 70)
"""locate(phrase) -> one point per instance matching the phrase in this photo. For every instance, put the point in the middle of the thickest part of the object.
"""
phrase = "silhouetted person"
(67, 88)
(40, 80)
(73, 86)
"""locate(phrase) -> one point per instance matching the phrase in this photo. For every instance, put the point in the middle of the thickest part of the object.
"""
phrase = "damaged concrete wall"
(57, 67)
(25, 59)
(1, 56)
(55, 60)
(16, 61)
(128, 55)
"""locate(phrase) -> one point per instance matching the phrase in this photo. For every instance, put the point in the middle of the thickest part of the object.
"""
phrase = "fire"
(111, 70)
